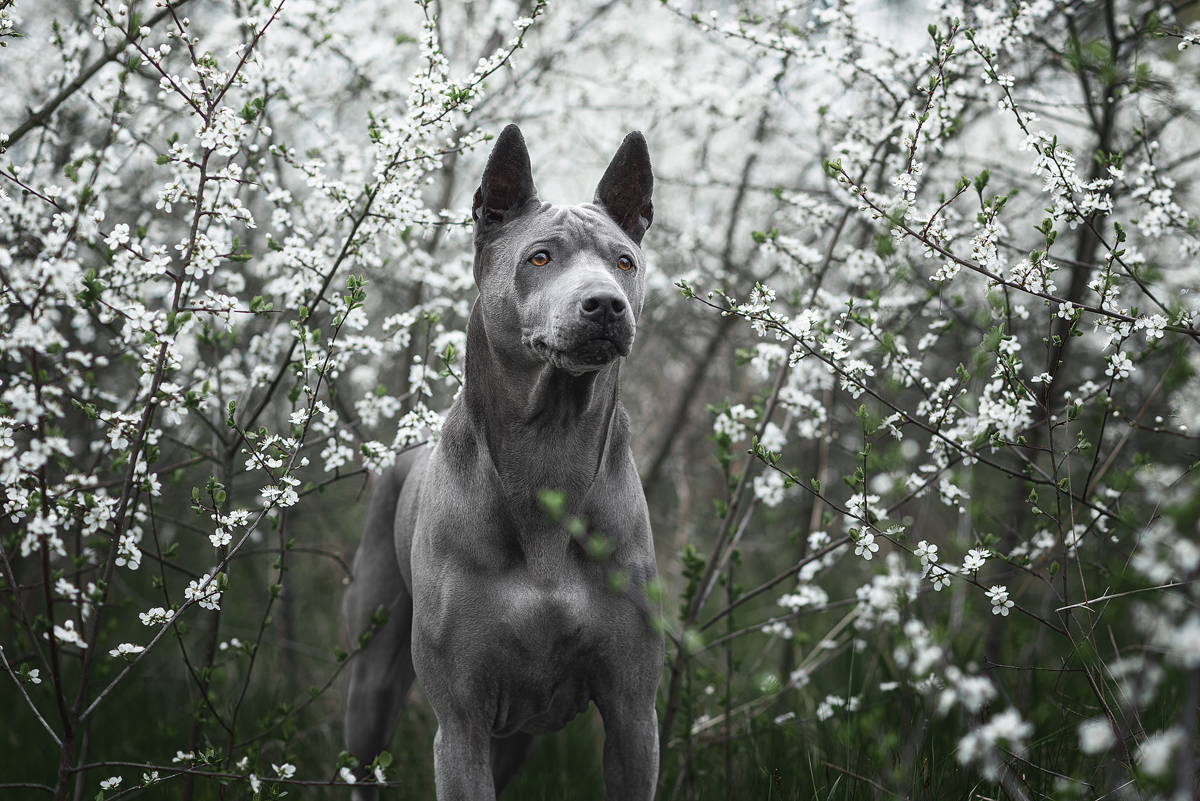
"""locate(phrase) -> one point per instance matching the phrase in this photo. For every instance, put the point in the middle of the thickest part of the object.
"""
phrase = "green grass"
(564, 766)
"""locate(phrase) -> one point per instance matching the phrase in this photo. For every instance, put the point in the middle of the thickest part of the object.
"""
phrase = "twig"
(1087, 604)
(27, 785)
(21, 687)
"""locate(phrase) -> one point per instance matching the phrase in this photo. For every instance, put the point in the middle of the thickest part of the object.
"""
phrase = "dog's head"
(566, 282)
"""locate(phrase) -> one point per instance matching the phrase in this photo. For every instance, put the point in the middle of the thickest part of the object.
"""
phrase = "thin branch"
(1087, 604)
(21, 686)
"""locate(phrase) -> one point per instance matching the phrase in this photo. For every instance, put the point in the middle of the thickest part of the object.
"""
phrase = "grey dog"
(511, 624)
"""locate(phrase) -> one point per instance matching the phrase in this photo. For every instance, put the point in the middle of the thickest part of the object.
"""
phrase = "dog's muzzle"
(598, 330)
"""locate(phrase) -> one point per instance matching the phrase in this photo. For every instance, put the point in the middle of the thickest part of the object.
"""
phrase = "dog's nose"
(599, 305)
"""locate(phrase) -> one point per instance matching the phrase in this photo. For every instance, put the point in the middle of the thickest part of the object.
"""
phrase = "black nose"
(600, 305)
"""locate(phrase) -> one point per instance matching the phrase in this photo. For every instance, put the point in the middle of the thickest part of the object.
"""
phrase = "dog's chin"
(582, 357)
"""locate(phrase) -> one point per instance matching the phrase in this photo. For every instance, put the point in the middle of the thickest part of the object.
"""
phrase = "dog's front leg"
(462, 762)
(630, 752)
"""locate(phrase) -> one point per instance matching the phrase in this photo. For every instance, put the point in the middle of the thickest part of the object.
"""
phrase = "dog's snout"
(600, 305)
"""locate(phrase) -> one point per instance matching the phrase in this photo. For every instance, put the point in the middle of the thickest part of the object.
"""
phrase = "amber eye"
(540, 259)
(625, 263)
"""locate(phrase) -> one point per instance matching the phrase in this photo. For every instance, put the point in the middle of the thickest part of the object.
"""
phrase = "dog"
(509, 623)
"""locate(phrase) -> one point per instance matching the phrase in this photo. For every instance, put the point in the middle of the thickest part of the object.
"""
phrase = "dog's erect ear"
(507, 183)
(626, 188)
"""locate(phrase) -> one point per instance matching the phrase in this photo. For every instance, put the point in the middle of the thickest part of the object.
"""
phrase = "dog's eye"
(625, 263)
(540, 259)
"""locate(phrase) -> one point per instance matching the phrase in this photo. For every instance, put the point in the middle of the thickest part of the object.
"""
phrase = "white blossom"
(866, 546)
(1095, 736)
(156, 616)
(1155, 756)
(1119, 366)
(204, 591)
(975, 559)
(125, 650)
(998, 595)
(67, 634)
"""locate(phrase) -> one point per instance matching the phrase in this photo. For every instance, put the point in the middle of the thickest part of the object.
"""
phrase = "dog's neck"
(542, 426)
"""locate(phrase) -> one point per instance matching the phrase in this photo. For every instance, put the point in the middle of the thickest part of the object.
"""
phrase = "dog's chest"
(550, 617)
(537, 647)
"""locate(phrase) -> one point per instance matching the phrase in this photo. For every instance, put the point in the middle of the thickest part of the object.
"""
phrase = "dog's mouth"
(581, 356)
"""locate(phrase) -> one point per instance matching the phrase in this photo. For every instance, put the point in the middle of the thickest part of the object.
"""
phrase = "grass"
(564, 766)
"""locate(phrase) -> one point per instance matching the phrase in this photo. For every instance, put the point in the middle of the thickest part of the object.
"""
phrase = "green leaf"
(617, 581)
(599, 547)
(981, 182)
(721, 507)
(553, 503)
(380, 616)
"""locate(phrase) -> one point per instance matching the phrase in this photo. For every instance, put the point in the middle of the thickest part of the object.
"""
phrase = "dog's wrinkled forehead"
(575, 229)
(568, 232)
